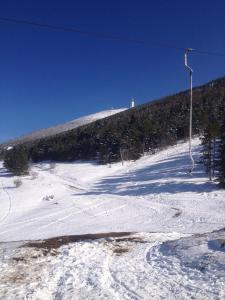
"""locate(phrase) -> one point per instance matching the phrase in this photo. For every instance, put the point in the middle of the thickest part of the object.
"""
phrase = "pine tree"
(221, 161)
(16, 160)
(210, 142)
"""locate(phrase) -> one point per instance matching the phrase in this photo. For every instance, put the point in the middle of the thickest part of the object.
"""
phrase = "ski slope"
(142, 196)
(172, 246)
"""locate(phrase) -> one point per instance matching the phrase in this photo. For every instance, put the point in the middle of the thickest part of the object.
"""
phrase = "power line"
(88, 33)
(105, 36)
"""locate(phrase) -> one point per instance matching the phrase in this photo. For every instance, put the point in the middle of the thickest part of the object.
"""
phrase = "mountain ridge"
(61, 128)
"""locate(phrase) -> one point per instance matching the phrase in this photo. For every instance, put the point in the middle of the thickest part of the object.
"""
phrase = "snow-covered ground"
(171, 252)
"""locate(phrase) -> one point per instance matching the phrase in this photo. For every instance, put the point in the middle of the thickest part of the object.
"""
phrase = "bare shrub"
(52, 165)
(34, 175)
(48, 197)
(17, 182)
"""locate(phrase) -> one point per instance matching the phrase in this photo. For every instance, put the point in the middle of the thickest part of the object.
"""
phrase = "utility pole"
(190, 118)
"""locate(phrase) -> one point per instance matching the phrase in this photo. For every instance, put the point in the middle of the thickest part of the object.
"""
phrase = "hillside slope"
(144, 128)
(47, 132)
(165, 248)
(141, 196)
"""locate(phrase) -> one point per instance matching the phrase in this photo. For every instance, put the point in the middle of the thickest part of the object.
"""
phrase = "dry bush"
(34, 175)
(48, 197)
(52, 165)
(17, 182)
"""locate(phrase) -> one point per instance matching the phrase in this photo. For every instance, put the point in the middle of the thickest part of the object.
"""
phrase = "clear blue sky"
(49, 77)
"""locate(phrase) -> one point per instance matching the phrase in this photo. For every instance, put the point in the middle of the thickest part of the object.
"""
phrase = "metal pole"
(190, 118)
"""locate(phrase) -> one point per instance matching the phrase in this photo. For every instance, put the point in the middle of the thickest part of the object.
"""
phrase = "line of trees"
(145, 128)
(213, 137)
(213, 155)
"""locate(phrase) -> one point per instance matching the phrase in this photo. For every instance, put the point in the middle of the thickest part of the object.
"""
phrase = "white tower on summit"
(132, 102)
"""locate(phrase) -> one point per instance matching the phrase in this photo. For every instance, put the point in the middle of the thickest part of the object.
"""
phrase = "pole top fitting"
(189, 49)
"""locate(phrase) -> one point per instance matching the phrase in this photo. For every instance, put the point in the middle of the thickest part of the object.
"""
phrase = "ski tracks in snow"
(117, 286)
(132, 267)
(9, 205)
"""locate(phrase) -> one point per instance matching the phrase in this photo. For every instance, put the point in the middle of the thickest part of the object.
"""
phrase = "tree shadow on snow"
(5, 173)
(165, 176)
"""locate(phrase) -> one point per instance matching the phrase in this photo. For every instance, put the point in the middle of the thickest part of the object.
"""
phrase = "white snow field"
(172, 241)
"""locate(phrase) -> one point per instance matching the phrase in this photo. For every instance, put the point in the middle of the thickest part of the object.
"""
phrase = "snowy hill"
(63, 127)
(140, 196)
(170, 230)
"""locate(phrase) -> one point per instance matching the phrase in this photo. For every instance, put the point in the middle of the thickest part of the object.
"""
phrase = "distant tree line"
(146, 128)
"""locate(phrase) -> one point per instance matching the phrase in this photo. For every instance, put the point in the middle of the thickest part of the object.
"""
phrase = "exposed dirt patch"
(222, 242)
(119, 250)
(54, 243)
(131, 240)
(17, 259)
(24, 272)
(120, 246)
(24, 267)
(178, 212)
(14, 277)
(217, 244)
